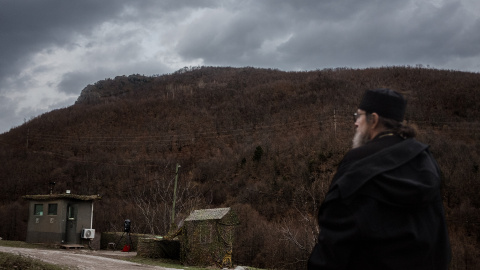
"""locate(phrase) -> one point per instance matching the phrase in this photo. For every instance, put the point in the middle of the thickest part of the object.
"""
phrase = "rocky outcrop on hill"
(105, 90)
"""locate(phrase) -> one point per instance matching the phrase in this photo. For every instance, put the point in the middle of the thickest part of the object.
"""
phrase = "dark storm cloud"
(29, 26)
(334, 33)
(236, 35)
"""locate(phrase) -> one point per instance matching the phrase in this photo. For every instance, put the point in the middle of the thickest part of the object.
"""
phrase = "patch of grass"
(11, 261)
(163, 263)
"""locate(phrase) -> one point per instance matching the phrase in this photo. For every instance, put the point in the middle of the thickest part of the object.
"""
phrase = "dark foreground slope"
(264, 142)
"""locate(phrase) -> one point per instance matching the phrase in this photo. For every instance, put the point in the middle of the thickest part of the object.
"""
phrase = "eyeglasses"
(357, 115)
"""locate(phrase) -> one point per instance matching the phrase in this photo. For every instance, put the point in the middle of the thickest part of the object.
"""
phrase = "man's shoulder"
(353, 175)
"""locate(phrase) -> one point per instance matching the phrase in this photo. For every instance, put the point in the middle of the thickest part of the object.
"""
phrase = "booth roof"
(208, 214)
(51, 197)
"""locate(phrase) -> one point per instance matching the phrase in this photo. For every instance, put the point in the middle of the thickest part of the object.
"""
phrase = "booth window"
(71, 213)
(38, 210)
(52, 209)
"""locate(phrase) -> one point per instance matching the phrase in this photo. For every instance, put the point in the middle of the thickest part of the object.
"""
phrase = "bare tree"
(154, 201)
(300, 229)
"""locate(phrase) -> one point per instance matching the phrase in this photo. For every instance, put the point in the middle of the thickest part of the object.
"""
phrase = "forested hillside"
(264, 142)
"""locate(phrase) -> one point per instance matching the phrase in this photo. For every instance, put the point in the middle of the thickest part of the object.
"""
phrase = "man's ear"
(374, 120)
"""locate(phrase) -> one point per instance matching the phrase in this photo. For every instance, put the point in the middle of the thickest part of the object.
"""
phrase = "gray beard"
(359, 139)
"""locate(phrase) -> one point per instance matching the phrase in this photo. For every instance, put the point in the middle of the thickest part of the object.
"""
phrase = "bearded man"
(384, 207)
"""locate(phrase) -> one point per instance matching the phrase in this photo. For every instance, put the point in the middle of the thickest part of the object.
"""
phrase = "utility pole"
(174, 197)
(335, 121)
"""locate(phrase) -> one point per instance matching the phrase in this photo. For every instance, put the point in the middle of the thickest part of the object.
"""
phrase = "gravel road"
(83, 259)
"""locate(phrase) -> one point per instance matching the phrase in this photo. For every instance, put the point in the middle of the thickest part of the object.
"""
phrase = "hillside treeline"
(262, 141)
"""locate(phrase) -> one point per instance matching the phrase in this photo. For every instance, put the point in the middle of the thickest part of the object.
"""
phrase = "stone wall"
(153, 247)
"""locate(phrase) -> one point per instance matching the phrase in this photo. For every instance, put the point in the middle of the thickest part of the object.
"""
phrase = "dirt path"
(83, 259)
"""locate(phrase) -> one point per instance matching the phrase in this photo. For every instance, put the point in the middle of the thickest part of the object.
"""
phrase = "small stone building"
(207, 237)
(59, 218)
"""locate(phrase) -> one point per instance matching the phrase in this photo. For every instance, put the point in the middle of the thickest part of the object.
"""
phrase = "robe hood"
(404, 174)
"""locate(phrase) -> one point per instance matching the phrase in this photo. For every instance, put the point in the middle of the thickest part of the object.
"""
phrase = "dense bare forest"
(262, 141)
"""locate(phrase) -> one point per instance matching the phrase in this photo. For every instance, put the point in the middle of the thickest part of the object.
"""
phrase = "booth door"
(71, 231)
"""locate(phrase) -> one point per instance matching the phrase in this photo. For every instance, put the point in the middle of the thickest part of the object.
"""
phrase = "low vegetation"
(11, 261)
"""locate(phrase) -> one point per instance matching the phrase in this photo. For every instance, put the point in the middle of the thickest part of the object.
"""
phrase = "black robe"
(383, 210)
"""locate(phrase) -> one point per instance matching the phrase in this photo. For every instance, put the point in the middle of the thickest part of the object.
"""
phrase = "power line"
(191, 137)
(129, 141)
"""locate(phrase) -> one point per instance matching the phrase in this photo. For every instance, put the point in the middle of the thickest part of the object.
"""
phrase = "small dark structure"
(155, 247)
(207, 237)
(60, 218)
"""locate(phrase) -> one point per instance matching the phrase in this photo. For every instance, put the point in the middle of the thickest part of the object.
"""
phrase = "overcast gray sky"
(51, 49)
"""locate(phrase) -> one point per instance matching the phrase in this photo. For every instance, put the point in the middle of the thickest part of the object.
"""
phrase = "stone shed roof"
(208, 214)
(52, 197)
